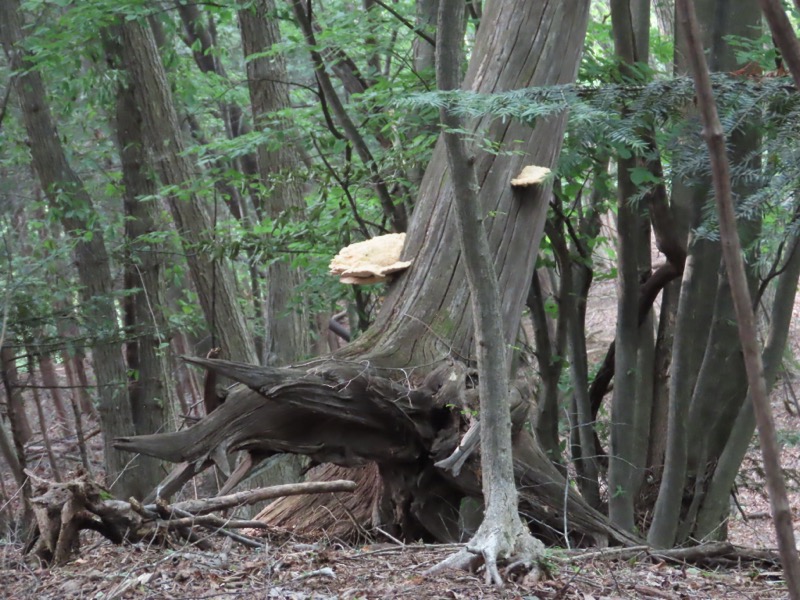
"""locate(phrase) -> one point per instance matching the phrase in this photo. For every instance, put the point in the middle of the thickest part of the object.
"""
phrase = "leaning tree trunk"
(398, 396)
(65, 191)
(426, 316)
(735, 269)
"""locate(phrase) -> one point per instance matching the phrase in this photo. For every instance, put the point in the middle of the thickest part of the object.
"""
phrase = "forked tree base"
(496, 544)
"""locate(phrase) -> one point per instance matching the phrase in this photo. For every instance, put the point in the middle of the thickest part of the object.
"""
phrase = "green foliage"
(610, 111)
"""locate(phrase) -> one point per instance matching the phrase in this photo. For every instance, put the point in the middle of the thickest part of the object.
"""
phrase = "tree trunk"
(50, 381)
(573, 288)
(287, 325)
(69, 198)
(74, 363)
(706, 349)
(624, 406)
(216, 286)
(715, 506)
(549, 349)
(349, 410)
(429, 303)
(502, 534)
(736, 271)
(17, 415)
(149, 336)
(43, 428)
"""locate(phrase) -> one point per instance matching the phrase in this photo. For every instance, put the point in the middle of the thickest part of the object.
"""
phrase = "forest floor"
(294, 568)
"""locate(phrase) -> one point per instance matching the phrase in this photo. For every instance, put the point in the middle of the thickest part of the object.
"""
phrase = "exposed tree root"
(520, 552)
(345, 413)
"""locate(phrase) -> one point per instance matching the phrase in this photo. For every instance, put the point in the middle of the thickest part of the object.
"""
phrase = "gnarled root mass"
(63, 510)
(351, 414)
(498, 544)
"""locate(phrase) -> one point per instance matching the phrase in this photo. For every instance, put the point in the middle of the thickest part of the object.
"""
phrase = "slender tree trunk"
(424, 51)
(9, 454)
(705, 351)
(549, 348)
(50, 381)
(216, 286)
(287, 327)
(76, 413)
(571, 295)
(502, 534)
(623, 459)
(43, 428)
(716, 505)
(735, 267)
(186, 377)
(665, 17)
(662, 364)
(14, 449)
(74, 365)
(20, 425)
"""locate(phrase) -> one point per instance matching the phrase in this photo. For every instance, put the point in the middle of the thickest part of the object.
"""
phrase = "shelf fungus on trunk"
(530, 176)
(371, 261)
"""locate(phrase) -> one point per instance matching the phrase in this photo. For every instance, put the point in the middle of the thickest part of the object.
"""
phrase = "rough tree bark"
(214, 281)
(398, 395)
(151, 394)
(502, 534)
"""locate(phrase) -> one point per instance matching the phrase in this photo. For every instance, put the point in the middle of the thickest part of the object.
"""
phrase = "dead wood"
(206, 505)
(63, 510)
(352, 415)
(340, 412)
(707, 555)
(345, 517)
